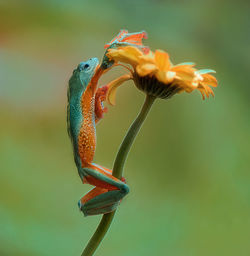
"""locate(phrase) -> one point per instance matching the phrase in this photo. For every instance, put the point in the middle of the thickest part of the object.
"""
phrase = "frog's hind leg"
(106, 195)
(97, 209)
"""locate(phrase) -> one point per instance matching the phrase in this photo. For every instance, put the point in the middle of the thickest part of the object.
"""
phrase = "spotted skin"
(84, 110)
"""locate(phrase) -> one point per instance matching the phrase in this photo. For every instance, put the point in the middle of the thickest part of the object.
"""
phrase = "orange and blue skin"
(126, 39)
(84, 110)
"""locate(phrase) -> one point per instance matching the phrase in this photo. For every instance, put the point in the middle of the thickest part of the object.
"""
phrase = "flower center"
(151, 86)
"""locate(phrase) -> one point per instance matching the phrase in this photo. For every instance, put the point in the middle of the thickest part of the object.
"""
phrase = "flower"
(154, 73)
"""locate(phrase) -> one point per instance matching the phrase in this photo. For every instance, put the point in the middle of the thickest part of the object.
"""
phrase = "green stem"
(130, 137)
(117, 172)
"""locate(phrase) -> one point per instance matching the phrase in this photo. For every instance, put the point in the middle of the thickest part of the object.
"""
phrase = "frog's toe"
(100, 201)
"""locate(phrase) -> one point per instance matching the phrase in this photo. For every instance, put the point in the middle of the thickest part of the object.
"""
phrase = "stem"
(117, 172)
(99, 234)
(130, 137)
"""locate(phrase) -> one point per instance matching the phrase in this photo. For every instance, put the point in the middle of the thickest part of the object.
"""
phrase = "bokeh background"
(188, 170)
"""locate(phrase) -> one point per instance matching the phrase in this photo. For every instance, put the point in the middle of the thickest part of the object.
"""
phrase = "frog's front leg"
(106, 195)
(100, 96)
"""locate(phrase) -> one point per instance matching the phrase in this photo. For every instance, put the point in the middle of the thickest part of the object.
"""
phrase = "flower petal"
(209, 80)
(205, 71)
(126, 54)
(185, 72)
(113, 85)
(186, 64)
(205, 90)
(149, 58)
(162, 60)
(165, 77)
(132, 50)
(170, 76)
(146, 69)
(162, 76)
(187, 86)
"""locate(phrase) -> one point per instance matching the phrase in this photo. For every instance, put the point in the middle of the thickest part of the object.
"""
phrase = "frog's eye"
(83, 66)
(86, 66)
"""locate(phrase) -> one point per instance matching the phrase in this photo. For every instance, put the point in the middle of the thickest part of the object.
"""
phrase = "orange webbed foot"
(106, 195)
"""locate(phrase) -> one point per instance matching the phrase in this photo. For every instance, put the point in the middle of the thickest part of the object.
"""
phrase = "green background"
(188, 170)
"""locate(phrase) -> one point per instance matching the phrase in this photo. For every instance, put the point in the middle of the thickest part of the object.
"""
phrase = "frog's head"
(82, 75)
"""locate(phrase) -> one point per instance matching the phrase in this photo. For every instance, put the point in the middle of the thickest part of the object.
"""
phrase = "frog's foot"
(127, 39)
(124, 39)
(100, 201)
(106, 195)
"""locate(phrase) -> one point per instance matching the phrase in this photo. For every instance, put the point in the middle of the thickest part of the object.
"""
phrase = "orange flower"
(154, 74)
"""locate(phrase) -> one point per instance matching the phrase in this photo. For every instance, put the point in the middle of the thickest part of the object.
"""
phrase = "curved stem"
(99, 234)
(117, 172)
(130, 137)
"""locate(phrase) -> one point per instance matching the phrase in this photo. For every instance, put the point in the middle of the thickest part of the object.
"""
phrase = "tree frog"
(84, 110)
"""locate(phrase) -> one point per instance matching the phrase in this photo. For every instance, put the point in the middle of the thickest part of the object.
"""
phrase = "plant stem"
(99, 234)
(117, 172)
(130, 137)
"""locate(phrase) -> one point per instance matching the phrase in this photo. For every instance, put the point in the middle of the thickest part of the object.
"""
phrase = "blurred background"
(188, 170)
